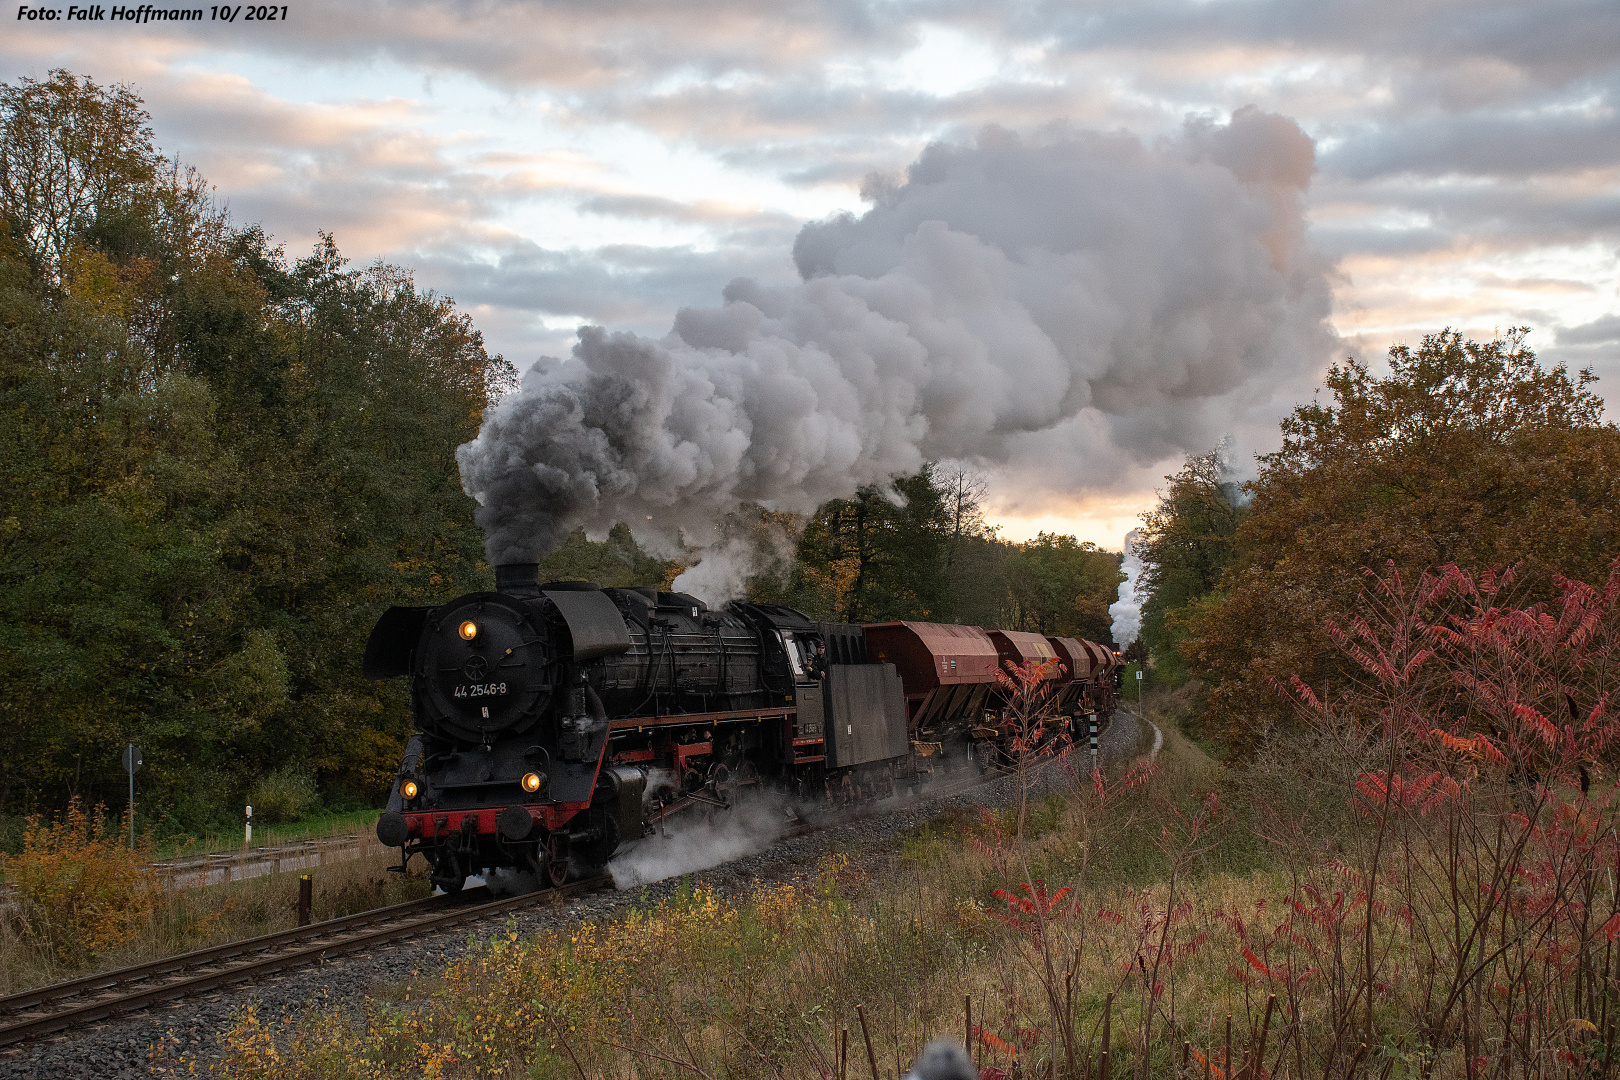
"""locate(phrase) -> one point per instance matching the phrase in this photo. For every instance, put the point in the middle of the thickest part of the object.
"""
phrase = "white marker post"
(1139, 711)
(247, 828)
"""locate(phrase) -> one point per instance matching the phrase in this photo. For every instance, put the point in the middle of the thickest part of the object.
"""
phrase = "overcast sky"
(590, 161)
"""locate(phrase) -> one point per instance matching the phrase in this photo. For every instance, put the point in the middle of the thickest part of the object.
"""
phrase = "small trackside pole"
(306, 898)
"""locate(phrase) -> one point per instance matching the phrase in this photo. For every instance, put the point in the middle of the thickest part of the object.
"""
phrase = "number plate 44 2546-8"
(484, 689)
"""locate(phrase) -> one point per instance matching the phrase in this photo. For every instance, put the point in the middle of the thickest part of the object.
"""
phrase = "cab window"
(791, 644)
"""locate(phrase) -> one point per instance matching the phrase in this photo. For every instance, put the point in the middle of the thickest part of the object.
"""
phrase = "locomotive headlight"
(408, 789)
(468, 630)
(532, 782)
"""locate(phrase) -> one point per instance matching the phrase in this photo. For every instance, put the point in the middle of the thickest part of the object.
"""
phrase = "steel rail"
(26, 999)
(352, 936)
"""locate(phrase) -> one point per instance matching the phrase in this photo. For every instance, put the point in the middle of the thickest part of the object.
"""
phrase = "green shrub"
(284, 795)
(12, 828)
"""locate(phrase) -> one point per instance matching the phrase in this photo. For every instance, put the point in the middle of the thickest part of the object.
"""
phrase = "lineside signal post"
(132, 765)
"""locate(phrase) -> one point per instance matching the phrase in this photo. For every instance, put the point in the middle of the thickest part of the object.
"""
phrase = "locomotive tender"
(557, 722)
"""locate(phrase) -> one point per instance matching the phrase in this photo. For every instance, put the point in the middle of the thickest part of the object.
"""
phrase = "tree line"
(1467, 453)
(221, 463)
(218, 464)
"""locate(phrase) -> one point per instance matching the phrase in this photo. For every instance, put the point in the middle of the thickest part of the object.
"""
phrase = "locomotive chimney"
(519, 579)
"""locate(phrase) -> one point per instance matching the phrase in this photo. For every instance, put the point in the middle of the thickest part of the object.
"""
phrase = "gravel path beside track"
(122, 1048)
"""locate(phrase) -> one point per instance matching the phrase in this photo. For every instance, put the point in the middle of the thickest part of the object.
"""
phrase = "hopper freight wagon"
(955, 701)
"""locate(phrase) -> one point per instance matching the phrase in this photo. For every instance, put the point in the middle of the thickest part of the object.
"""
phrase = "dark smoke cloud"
(1002, 290)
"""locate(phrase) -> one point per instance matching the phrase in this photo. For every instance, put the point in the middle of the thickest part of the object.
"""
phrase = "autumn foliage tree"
(878, 555)
(1057, 584)
(1187, 542)
(921, 549)
(76, 159)
(1465, 452)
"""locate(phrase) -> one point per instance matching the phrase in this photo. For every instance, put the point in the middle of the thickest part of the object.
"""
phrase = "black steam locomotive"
(557, 722)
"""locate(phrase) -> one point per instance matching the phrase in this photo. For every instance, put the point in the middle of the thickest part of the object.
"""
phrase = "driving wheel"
(556, 859)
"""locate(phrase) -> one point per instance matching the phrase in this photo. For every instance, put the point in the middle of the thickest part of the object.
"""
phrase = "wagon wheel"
(556, 859)
(846, 790)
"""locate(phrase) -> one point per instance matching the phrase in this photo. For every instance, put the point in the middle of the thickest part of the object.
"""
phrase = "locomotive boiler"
(557, 722)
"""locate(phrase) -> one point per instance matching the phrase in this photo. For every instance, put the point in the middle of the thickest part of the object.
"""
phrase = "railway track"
(46, 1010)
(49, 1009)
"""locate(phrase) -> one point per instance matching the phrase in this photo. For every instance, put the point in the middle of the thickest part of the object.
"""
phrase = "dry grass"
(156, 923)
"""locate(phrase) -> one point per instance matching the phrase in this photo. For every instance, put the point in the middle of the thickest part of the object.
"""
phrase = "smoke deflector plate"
(594, 623)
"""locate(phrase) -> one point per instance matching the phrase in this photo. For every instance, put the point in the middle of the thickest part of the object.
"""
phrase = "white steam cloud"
(688, 843)
(1073, 295)
(738, 549)
(722, 574)
(1126, 612)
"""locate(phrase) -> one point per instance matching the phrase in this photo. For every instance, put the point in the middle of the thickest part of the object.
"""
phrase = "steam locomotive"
(557, 722)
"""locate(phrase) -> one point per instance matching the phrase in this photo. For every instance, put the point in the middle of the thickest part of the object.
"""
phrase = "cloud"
(536, 161)
(1556, 137)
(1558, 41)
(706, 211)
(618, 283)
(1597, 332)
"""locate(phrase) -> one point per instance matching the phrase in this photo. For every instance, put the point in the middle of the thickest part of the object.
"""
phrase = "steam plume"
(1126, 612)
(1074, 295)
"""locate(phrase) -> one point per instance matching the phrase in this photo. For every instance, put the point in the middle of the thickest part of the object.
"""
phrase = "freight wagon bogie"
(557, 723)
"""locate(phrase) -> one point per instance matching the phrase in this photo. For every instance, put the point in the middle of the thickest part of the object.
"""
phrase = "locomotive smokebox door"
(865, 715)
